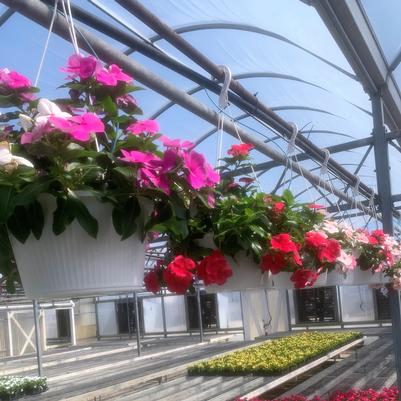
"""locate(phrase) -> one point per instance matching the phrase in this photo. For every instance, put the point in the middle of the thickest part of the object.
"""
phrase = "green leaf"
(36, 218)
(31, 192)
(62, 216)
(81, 212)
(17, 224)
(288, 197)
(6, 195)
(109, 106)
(125, 216)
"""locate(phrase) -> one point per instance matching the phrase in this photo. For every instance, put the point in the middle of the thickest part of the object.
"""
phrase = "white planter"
(73, 264)
(246, 275)
(356, 277)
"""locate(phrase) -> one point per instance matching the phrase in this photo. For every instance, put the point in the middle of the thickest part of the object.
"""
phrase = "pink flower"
(348, 260)
(139, 127)
(81, 66)
(175, 143)
(135, 156)
(112, 75)
(79, 127)
(200, 173)
(13, 80)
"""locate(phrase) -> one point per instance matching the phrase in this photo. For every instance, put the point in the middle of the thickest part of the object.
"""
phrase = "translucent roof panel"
(279, 50)
(384, 18)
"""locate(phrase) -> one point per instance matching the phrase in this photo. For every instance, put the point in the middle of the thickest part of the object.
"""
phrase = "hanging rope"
(42, 59)
(70, 22)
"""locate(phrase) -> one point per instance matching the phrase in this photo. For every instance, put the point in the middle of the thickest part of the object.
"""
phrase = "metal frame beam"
(386, 208)
(257, 108)
(6, 16)
(40, 13)
(342, 147)
(350, 27)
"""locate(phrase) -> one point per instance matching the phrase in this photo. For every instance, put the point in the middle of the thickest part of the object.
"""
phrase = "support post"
(164, 315)
(339, 307)
(137, 324)
(37, 336)
(97, 318)
(199, 307)
(386, 206)
(72, 328)
(10, 334)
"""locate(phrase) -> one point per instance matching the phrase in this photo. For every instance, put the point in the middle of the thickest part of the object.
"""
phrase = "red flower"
(376, 237)
(304, 278)
(274, 263)
(178, 274)
(283, 243)
(151, 280)
(315, 239)
(240, 150)
(214, 269)
(330, 251)
(278, 207)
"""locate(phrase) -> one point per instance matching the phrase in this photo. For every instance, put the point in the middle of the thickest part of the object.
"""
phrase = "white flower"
(46, 108)
(6, 157)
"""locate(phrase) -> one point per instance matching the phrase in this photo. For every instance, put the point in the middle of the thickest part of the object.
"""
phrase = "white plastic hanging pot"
(73, 264)
(356, 277)
(246, 275)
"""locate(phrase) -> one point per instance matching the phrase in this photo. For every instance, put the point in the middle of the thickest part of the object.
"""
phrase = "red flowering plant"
(268, 228)
(92, 141)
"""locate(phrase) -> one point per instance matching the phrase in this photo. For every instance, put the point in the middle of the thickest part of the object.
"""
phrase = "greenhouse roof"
(314, 63)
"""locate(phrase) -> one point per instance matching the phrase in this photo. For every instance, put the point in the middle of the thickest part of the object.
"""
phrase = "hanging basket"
(73, 264)
(356, 277)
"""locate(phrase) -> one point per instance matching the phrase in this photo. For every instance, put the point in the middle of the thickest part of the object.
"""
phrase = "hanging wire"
(70, 22)
(42, 59)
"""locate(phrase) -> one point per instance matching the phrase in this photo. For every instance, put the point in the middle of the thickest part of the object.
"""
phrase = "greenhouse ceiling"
(314, 63)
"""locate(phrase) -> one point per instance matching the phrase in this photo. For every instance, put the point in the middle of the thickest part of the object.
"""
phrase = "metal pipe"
(386, 208)
(40, 13)
(37, 337)
(284, 128)
(137, 324)
(164, 315)
(199, 308)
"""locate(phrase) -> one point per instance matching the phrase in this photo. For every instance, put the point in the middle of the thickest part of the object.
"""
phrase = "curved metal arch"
(244, 116)
(296, 176)
(240, 76)
(201, 26)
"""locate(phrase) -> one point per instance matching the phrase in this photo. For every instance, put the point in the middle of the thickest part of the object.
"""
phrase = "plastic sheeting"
(288, 54)
(229, 307)
(357, 303)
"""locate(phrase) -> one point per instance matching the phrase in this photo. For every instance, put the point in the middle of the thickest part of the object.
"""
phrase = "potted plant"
(82, 181)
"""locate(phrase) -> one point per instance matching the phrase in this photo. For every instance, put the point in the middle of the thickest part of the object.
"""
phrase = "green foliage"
(13, 387)
(274, 357)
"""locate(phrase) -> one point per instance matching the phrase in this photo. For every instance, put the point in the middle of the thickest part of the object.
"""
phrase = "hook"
(291, 144)
(223, 98)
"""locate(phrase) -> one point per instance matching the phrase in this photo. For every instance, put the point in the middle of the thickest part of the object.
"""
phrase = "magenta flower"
(149, 126)
(135, 156)
(112, 75)
(79, 127)
(81, 66)
(175, 143)
(200, 173)
(13, 80)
